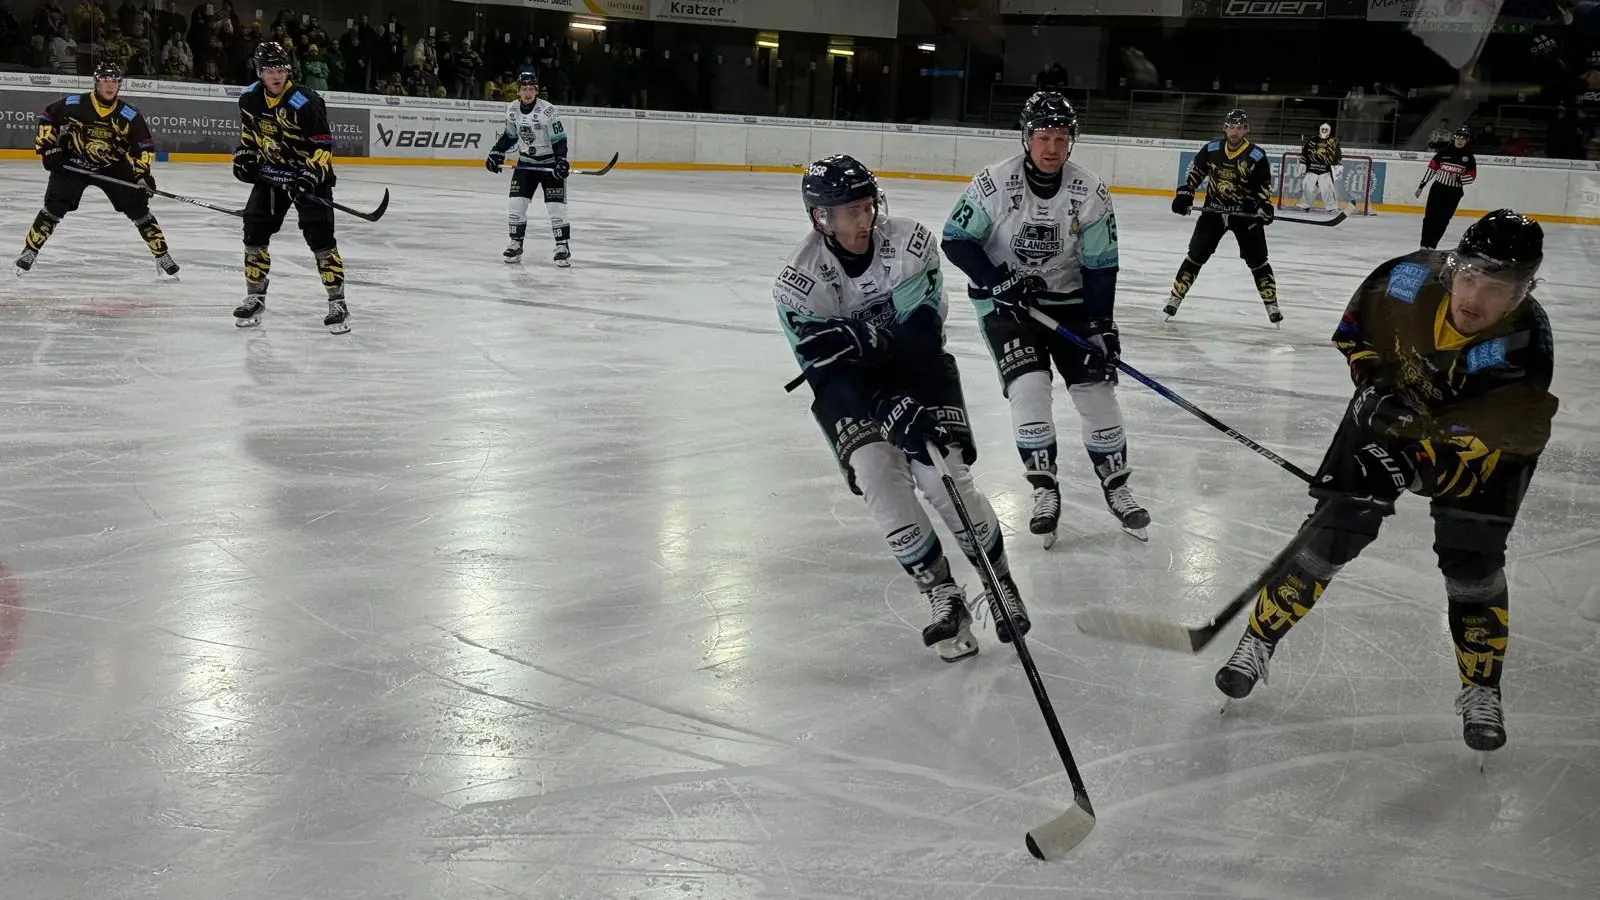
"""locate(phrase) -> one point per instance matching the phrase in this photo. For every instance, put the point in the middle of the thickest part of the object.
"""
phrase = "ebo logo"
(427, 140)
(1272, 9)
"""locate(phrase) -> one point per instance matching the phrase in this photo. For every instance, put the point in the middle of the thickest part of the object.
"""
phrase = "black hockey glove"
(53, 158)
(303, 182)
(1380, 412)
(1266, 212)
(1014, 296)
(146, 180)
(246, 165)
(1183, 201)
(1382, 474)
(494, 161)
(910, 426)
(842, 341)
(562, 167)
(1101, 364)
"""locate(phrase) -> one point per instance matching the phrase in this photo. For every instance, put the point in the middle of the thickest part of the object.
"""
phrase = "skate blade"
(339, 328)
(513, 260)
(1139, 534)
(1056, 838)
(960, 647)
(564, 263)
(1049, 540)
(251, 322)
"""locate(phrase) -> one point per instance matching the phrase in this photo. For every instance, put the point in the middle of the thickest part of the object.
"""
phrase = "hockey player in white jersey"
(1321, 169)
(1039, 230)
(534, 128)
(862, 303)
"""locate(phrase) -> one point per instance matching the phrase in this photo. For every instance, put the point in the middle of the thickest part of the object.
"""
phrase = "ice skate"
(1274, 315)
(513, 253)
(1133, 518)
(166, 265)
(563, 256)
(1171, 309)
(950, 631)
(25, 261)
(1046, 509)
(1018, 611)
(336, 318)
(1248, 665)
(1483, 721)
(248, 313)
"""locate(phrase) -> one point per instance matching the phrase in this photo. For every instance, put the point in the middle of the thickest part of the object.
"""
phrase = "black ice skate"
(25, 261)
(1273, 314)
(336, 318)
(1046, 508)
(1483, 721)
(1171, 309)
(248, 313)
(1248, 665)
(950, 631)
(1014, 605)
(166, 265)
(1120, 500)
(513, 252)
(563, 255)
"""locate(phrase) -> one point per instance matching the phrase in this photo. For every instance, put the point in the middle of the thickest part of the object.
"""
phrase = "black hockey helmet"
(269, 55)
(1236, 116)
(835, 181)
(1504, 244)
(108, 69)
(1048, 109)
(1462, 132)
(527, 77)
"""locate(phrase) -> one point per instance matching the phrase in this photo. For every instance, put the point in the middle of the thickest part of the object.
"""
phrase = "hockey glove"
(1384, 475)
(246, 165)
(304, 182)
(1266, 212)
(1183, 201)
(1380, 412)
(1101, 365)
(53, 158)
(562, 167)
(494, 161)
(842, 341)
(910, 426)
(146, 180)
(1014, 296)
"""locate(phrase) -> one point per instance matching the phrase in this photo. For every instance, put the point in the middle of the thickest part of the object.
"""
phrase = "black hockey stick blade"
(373, 216)
(1153, 631)
(605, 168)
(1055, 838)
(1325, 223)
(600, 171)
(794, 383)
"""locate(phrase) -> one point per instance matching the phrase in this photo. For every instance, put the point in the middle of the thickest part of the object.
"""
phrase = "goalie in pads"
(861, 300)
(1322, 170)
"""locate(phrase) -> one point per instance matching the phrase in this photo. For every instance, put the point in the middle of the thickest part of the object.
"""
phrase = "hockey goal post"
(1356, 187)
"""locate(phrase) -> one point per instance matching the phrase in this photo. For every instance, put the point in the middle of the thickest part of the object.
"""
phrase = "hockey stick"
(1326, 223)
(1164, 391)
(1054, 838)
(1150, 631)
(95, 176)
(600, 171)
(373, 216)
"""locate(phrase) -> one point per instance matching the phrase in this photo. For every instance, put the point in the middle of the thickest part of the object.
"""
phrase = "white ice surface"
(537, 585)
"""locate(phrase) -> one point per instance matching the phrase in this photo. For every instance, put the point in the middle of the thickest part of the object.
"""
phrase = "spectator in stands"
(49, 25)
(467, 64)
(1441, 136)
(177, 61)
(390, 61)
(1053, 78)
(1564, 136)
(314, 69)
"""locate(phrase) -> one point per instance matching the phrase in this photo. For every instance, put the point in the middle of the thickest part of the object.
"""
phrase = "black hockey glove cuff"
(1183, 201)
(1267, 211)
(842, 341)
(246, 165)
(1379, 412)
(1015, 295)
(1382, 474)
(494, 161)
(910, 426)
(54, 158)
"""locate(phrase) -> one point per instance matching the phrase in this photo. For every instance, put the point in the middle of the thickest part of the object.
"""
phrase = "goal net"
(1355, 187)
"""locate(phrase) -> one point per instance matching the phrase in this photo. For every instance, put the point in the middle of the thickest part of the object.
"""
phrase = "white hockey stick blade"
(1056, 838)
(1134, 628)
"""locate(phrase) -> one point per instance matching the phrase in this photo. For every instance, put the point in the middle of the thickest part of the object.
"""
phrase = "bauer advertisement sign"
(1351, 181)
(178, 124)
(434, 134)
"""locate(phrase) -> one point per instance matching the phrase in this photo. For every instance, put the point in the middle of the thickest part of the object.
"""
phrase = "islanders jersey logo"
(1037, 243)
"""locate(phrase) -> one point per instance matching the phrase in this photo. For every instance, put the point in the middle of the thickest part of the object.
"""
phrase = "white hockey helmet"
(1324, 131)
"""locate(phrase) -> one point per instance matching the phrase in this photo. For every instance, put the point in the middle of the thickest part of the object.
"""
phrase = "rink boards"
(198, 122)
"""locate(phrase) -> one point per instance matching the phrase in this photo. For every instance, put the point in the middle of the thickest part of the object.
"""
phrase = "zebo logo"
(427, 140)
(1272, 9)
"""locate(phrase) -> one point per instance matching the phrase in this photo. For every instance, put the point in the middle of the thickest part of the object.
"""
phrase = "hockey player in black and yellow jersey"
(1452, 359)
(286, 153)
(1238, 183)
(101, 133)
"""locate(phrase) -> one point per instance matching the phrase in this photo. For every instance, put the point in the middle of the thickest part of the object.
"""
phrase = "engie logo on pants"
(427, 139)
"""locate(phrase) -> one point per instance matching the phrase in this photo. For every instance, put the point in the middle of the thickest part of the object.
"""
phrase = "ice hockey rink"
(537, 584)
